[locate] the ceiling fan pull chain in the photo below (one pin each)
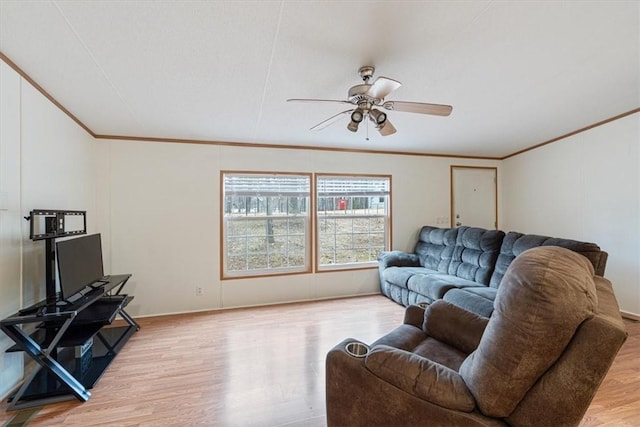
(367, 130)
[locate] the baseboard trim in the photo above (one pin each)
(244, 307)
(630, 316)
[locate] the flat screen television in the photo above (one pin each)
(79, 264)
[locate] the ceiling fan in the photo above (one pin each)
(368, 97)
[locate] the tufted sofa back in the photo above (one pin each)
(466, 252)
(435, 247)
(515, 243)
(475, 254)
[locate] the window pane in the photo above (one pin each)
(377, 241)
(296, 243)
(257, 244)
(352, 218)
(344, 257)
(236, 228)
(296, 259)
(361, 240)
(256, 262)
(236, 246)
(237, 262)
(277, 260)
(266, 220)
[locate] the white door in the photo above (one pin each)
(473, 197)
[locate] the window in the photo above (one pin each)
(265, 224)
(352, 220)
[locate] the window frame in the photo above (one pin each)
(308, 237)
(318, 268)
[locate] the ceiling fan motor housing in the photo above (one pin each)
(358, 94)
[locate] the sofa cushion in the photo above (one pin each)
(405, 337)
(400, 276)
(478, 300)
(475, 254)
(483, 291)
(420, 377)
(546, 293)
(454, 326)
(596, 256)
(414, 339)
(435, 285)
(515, 243)
(435, 247)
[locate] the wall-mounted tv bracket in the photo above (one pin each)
(47, 225)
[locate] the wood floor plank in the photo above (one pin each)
(264, 366)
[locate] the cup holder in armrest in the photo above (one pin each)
(357, 349)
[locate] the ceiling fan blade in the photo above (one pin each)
(387, 129)
(331, 120)
(317, 100)
(419, 107)
(382, 87)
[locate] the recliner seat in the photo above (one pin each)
(537, 361)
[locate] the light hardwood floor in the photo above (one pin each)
(264, 366)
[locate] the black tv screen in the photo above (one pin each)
(79, 263)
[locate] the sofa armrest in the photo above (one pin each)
(398, 259)
(453, 325)
(420, 377)
(356, 397)
(414, 315)
(601, 264)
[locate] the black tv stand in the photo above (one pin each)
(73, 343)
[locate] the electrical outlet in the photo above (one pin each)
(199, 291)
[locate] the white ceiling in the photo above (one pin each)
(517, 73)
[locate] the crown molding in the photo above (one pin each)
(575, 132)
(44, 93)
(40, 89)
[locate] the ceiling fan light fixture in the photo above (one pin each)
(377, 117)
(357, 116)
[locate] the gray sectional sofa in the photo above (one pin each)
(464, 265)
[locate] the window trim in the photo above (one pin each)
(308, 240)
(317, 268)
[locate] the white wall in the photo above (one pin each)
(60, 165)
(584, 187)
(46, 162)
(10, 220)
(165, 220)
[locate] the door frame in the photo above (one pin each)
(451, 169)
